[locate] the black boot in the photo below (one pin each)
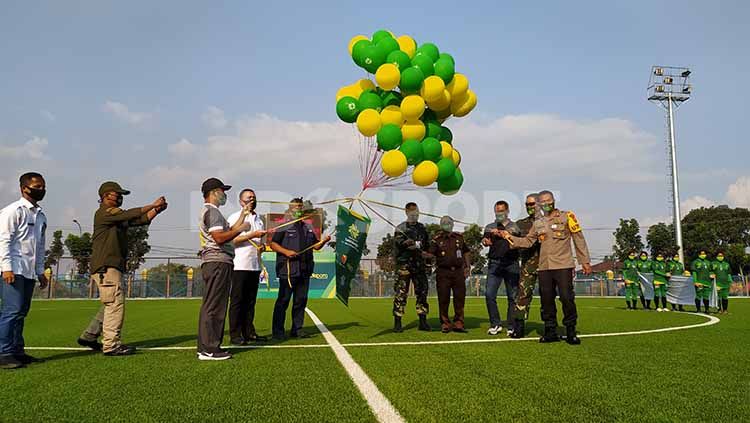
(643, 301)
(673, 307)
(519, 328)
(680, 308)
(571, 336)
(697, 306)
(628, 303)
(397, 324)
(423, 325)
(725, 304)
(550, 335)
(705, 305)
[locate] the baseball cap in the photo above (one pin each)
(213, 183)
(111, 186)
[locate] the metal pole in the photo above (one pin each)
(675, 181)
(168, 272)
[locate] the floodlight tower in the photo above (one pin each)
(669, 87)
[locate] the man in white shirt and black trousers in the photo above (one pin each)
(246, 275)
(22, 236)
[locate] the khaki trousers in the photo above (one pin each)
(113, 300)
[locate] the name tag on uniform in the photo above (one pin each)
(554, 226)
(458, 254)
(419, 244)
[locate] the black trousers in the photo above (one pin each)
(551, 284)
(217, 278)
(300, 286)
(242, 300)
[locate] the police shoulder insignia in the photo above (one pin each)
(573, 224)
(114, 210)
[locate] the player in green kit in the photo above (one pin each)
(660, 282)
(630, 275)
(722, 274)
(675, 268)
(701, 268)
(644, 265)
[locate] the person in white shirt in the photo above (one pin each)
(246, 274)
(22, 236)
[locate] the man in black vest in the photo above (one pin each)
(293, 245)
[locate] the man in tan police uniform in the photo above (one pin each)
(554, 230)
(452, 262)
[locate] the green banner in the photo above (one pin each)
(351, 239)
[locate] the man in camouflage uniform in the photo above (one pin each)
(411, 244)
(529, 265)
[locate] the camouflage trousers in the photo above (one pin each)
(526, 288)
(406, 275)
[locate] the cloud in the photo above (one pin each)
(611, 149)
(738, 193)
(182, 148)
(123, 113)
(49, 116)
(214, 118)
(172, 176)
(31, 149)
(695, 202)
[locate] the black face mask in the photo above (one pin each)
(37, 194)
(252, 203)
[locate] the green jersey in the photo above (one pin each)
(723, 273)
(645, 266)
(701, 271)
(630, 270)
(660, 271)
(675, 267)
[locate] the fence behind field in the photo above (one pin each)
(169, 277)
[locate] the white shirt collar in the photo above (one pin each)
(28, 204)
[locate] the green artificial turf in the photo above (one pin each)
(689, 375)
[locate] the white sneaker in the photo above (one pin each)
(510, 332)
(660, 310)
(666, 309)
(494, 330)
(221, 355)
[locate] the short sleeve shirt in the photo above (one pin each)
(211, 220)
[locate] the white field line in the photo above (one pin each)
(379, 404)
(711, 321)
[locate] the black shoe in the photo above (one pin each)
(460, 329)
(423, 325)
(550, 335)
(10, 362)
(237, 342)
(94, 345)
(519, 329)
(279, 337)
(120, 351)
(571, 337)
(27, 359)
(217, 356)
(397, 324)
(256, 338)
(300, 334)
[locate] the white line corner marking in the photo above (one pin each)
(381, 407)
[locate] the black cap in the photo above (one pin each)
(111, 186)
(211, 184)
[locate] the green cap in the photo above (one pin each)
(111, 186)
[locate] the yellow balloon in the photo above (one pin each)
(447, 150)
(354, 41)
(444, 114)
(368, 122)
(433, 88)
(456, 157)
(442, 103)
(393, 163)
(347, 91)
(466, 106)
(413, 130)
(392, 115)
(412, 107)
(458, 86)
(388, 76)
(425, 173)
(407, 45)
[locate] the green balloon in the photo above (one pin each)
(380, 34)
(389, 137)
(399, 58)
(429, 116)
(431, 149)
(347, 109)
(372, 58)
(387, 46)
(411, 80)
(430, 50)
(433, 129)
(452, 184)
(358, 52)
(448, 57)
(424, 63)
(445, 69)
(446, 169)
(412, 149)
(391, 98)
(370, 100)
(446, 135)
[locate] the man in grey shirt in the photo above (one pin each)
(217, 254)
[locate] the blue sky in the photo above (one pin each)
(139, 92)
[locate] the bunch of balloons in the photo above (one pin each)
(416, 90)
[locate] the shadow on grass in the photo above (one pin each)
(164, 342)
(70, 354)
